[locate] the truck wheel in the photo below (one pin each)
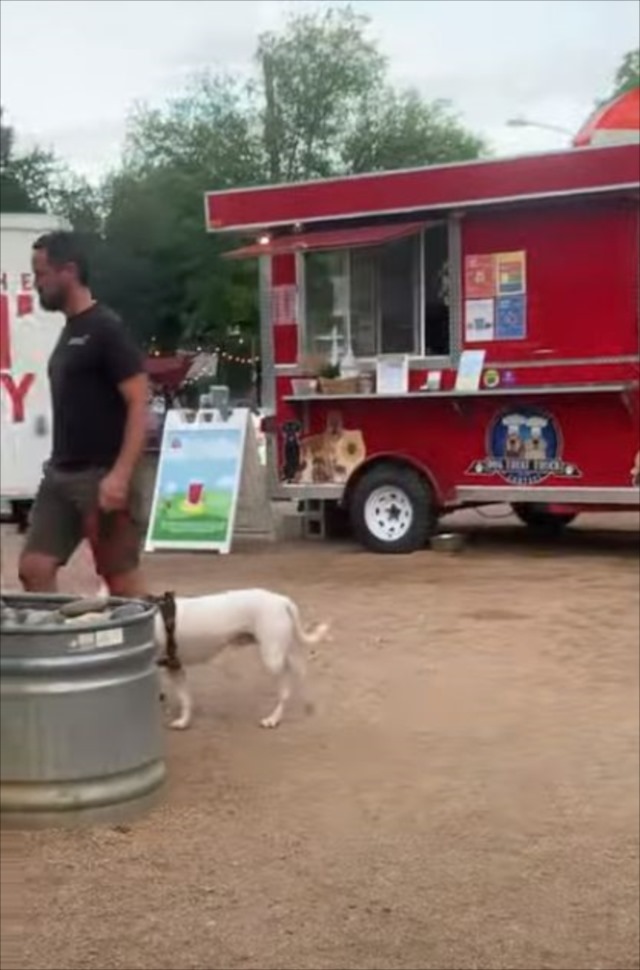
(538, 518)
(392, 510)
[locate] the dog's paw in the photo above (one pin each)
(270, 722)
(179, 724)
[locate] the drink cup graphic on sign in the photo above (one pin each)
(195, 492)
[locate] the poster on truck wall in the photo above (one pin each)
(480, 277)
(495, 297)
(479, 320)
(511, 273)
(511, 318)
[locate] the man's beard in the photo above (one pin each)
(52, 301)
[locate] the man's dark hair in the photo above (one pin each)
(64, 247)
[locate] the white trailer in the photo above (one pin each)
(27, 336)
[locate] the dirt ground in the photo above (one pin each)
(466, 795)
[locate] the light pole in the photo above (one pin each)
(526, 123)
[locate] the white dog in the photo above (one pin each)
(205, 625)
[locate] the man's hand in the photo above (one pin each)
(113, 491)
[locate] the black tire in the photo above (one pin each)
(412, 489)
(337, 524)
(538, 518)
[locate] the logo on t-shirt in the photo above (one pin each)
(78, 341)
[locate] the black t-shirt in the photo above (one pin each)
(93, 355)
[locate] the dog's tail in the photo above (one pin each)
(309, 637)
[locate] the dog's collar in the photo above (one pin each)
(166, 603)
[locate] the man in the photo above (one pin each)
(99, 396)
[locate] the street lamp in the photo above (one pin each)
(526, 123)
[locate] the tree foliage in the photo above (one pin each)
(314, 79)
(318, 103)
(399, 129)
(161, 270)
(36, 181)
(26, 179)
(628, 74)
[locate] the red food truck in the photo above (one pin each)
(452, 336)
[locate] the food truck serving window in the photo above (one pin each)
(391, 298)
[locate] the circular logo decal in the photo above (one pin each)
(524, 447)
(491, 378)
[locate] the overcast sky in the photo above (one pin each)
(71, 69)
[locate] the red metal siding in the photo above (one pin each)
(283, 270)
(582, 276)
(447, 439)
(430, 188)
(285, 343)
(285, 335)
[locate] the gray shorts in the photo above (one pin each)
(66, 511)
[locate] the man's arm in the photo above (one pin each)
(135, 392)
(124, 364)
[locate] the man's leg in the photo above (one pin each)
(38, 572)
(116, 538)
(129, 585)
(54, 534)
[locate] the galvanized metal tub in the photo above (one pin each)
(81, 736)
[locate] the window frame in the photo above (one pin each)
(417, 358)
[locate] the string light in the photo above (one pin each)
(248, 360)
(236, 358)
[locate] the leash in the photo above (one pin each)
(166, 604)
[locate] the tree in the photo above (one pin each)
(628, 74)
(160, 269)
(36, 181)
(398, 129)
(314, 78)
(24, 179)
(208, 129)
(328, 108)
(319, 104)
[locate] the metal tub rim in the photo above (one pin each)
(60, 599)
